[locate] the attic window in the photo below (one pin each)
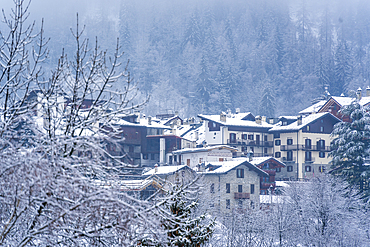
(240, 173)
(308, 128)
(285, 123)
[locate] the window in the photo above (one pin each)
(278, 169)
(289, 168)
(152, 156)
(265, 150)
(265, 138)
(322, 168)
(276, 135)
(277, 142)
(240, 188)
(322, 129)
(227, 188)
(252, 188)
(221, 159)
(277, 155)
(289, 141)
(308, 156)
(212, 189)
(307, 168)
(289, 155)
(240, 173)
(308, 128)
(307, 143)
(227, 203)
(232, 138)
(321, 144)
(188, 162)
(322, 154)
(145, 157)
(250, 137)
(200, 160)
(244, 136)
(170, 159)
(175, 158)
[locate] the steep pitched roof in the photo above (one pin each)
(313, 108)
(259, 160)
(166, 170)
(305, 121)
(225, 167)
(235, 120)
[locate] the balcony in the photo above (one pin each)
(305, 147)
(250, 143)
(262, 154)
(267, 185)
(241, 195)
(289, 159)
(309, 159)
(270, 172)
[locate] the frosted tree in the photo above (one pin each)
(325, 213)
(58, 185)
(183, 224)
(351, 146)
(267, 103)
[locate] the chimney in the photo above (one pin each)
(223, 117)
(263, 118)
(149, 120)
(359, 93)
(258, 119)
(176, 113)
(299, 120)
(368, 91)
(237, 110)
(228, 113)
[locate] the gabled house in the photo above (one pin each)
(333, 104)
(243, 131)
(303, 145)
(232, 185)
(271, 166)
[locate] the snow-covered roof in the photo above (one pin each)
(313, 108)
(165, 170)
(348, 100)
(281, 184)
(204, 149)
(289, 117)
(259, 160)
(226, 166)
(235, 120)
(305, 121)
(143, 123)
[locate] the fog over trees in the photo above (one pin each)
(210, 55)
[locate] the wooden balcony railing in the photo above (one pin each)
(241, 195)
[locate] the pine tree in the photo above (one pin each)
(267, 104)
(185, 229)
(351, 146)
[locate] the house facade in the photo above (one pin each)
(304, 146)
(232, 185)
(272, 167)
(243, 131)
